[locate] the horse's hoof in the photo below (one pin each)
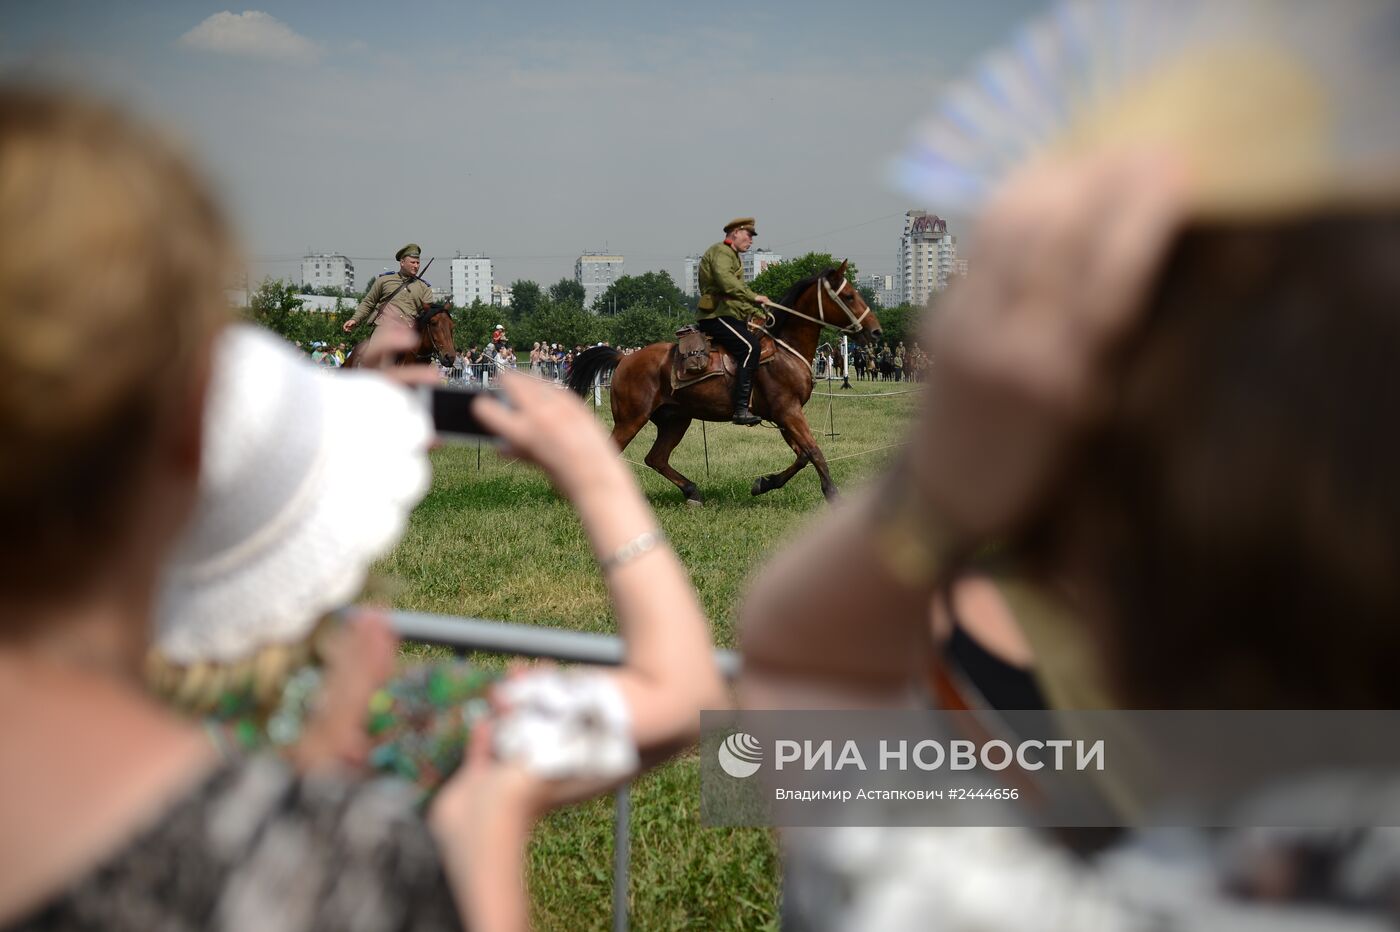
(695, 502)
(760, 485)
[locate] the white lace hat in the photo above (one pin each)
(308, 477)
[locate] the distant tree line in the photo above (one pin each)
(634, 310)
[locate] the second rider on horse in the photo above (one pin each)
(727, 304)
(395, 297)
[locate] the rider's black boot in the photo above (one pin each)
(743, 386)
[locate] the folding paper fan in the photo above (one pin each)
(1272, 104)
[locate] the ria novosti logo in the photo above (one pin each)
(740, 755)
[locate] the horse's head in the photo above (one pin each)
(839, 304)
(435, 323)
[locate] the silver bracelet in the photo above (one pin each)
(634, 548)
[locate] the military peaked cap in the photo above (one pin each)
(412, 249)
(741, 223)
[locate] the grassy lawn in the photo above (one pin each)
(493, 540)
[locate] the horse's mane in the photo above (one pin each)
(802, 284)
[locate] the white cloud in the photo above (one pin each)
(251, 33)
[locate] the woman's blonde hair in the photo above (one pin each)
(199, 688)
(113, 258)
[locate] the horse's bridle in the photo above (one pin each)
(835, 295)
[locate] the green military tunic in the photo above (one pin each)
(405, 305)
(723, 292)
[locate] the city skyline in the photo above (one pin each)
(530, 132)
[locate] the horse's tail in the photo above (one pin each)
(588, 365)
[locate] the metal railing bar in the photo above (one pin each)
(503, 637)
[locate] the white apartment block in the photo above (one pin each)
(470, 280)
(501, 295)
(690, 280)
(756, 261)
(595, 271)
(327, 270)
(324, 304)
(927, 252)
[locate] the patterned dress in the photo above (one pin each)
(257, 847)
(418, 722)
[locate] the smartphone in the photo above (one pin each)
(453, 415)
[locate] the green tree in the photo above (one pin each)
(640, 325)
(471, 325)
(900, 324)
(567, 324)
(654, 289)
(274, 305)
(525, 298)
(775, 280)
(567, 291)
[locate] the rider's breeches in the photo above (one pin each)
(734, 336)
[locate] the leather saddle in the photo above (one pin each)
(718, 361)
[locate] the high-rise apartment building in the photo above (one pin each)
(501, 295)
(595, 271)
(470, 280)
(927, 252)
(327, 270)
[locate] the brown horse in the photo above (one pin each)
(642, 385)
(434, 326)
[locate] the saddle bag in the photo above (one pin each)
(693, 349)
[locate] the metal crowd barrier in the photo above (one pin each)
(499, 637)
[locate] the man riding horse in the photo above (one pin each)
(727, 304)
(395, 297)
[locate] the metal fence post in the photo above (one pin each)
(622, 856)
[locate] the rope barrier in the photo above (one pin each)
(907, 391)
(846, 456)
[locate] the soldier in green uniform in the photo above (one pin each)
(727, 304)
(413, 293)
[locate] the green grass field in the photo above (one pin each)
(493, 540)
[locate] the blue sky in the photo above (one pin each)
(530, 131)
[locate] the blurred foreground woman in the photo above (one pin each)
(1154, 470)
(114, 813)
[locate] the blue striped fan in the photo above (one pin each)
(1270, 102)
